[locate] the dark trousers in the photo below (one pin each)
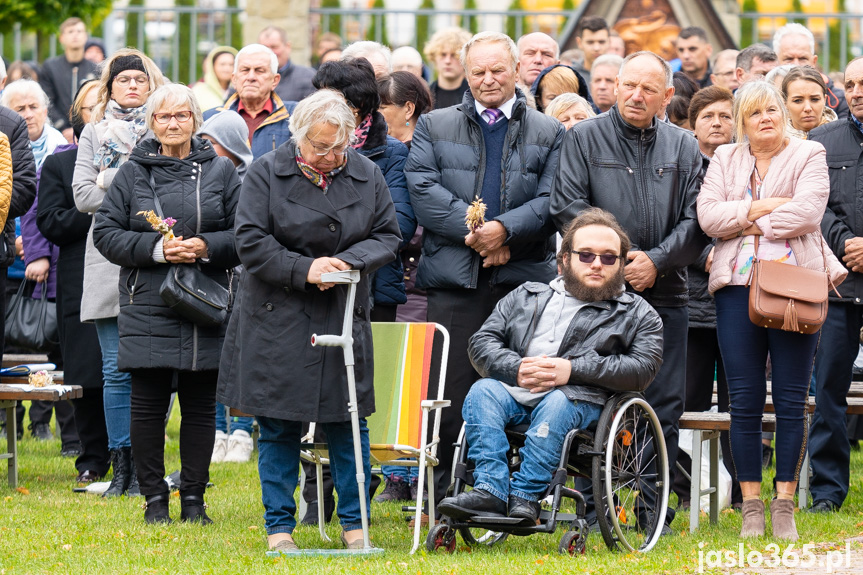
(92, 431)
(745, 347)
(829, 450)
(462, 312)
(383, 312)
(151, 396)
(703, 359)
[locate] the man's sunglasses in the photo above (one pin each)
(605, 259)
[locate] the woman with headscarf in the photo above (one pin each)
(115, 128)
(212, 90)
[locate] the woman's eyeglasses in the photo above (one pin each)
(181, 117)
(323, 150)
(126, 80)
(605, 259)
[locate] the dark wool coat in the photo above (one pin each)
(64, 226)
(151, 334)
(269, 367)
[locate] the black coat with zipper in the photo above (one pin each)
(201, 193)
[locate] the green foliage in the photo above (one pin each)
(188, 60)
(423, 31)
(835, 61)
(747, 27)
(567, 8)
(512, 27)
(236, 39)
(133, 29)
(377, 20)
(334, 24)
(471, 23)
(796, 8)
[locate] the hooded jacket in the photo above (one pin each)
(230, 131)
(445, 172)
(208, 90)
(613, 345)
(272, 133)
(201, 192)
(583, 90)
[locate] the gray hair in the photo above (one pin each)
(778, 72)
(408, 54)
(793, 29)
(363, 48)
(556, 45)
(173, 96)
(483, 37)
(565, 101)
(669, 74)
(760, 51)
(257, 49)
(323, 107)
(753, 96)
(24, 87)
(612, 60)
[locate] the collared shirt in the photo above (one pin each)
(254, 122)
(857, 122)
(506, 107)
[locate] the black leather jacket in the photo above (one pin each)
(649, 179)
(614, 345)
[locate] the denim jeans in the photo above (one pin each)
(118, 386)
(745, 347)
(407, 474)
(489, 408)
(279, 464)
(237, 423)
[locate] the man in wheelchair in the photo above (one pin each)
(550, 355)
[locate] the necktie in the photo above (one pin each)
(492, 115)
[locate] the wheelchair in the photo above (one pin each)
(623, 455)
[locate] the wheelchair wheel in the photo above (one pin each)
(441, 536)
(572, 543)
(475, 537)
(630, 476)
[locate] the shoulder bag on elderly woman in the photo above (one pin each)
(32, 323)
(190, 292)
(787, 297)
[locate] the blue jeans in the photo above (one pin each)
(237, 423)
(407, 474)
(744, 349)
(489, 408)
(279, 463)
(117, 392)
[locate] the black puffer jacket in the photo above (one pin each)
(445, 171)
(843, 218)
(614, 345)
(649, 179)
(702, 308)
(201, 193)
(23, 177)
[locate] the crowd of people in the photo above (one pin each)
(625, 201)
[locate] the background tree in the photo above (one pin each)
(568, 8)
(189, 62)
(835, 62)
(796, 8)
(236, 39)
(334, 24)
(135, 26)
(471, 23)
(423, 32)
(378, 19)
(512, 27)
(748, 26)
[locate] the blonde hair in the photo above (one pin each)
(446, 40)
(751, 97)
(156, 79)
(83, 92)
(559, 80)
(566, 101)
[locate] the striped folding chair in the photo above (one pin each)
(398, 430)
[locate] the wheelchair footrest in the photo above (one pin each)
(497, 520)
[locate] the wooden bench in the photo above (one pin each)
(13, 359)
(9, 398)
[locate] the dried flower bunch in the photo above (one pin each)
(41, 379)
(163, 226)
(475, 217)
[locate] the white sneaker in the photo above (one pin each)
(220, 448)
(239, 447)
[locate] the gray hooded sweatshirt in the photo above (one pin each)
(229, 130)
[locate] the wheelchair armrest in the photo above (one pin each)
(435, 403)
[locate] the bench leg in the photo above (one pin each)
(714, 476)
(12, 444)
(695, 481)
(803, 484)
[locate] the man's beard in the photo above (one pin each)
(576, 288)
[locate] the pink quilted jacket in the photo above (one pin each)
(798, 172)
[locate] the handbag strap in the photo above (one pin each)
(156, 196)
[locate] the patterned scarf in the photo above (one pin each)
(118, 132)
(317, 177)
(362, 132)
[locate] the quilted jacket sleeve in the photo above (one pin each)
(23, 165)
(5, 178)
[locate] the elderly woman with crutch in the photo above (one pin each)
(313, 206)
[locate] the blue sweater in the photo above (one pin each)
(494, 138)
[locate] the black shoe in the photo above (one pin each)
(72, 450)
(414, 489)
(121, 463)
(133, 490)
(766, 456)
(156, 509)
(87, 476)
(397, 489)
(311, 516)
(823, 506)
(472, 503)
(41, 431)
(523, 509)
(194, 510)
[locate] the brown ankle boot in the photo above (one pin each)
(753, 518)
(782, 517)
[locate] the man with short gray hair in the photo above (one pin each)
(753, 63)
(648, 174)
(602, 79)
(295, 81)
(724, 68)
(794, 45)
(378, 55)
(266, 115)
(407, 59)
(536, 52)
(494, 149)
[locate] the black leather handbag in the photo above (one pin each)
(191, 293)
(32, 323)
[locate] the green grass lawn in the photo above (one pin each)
(46, 528)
